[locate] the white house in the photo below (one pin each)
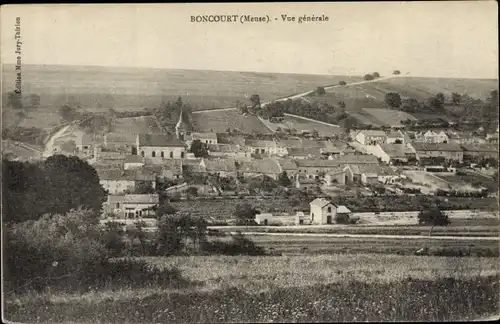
(282, 219)
(159, 145)
(205, 138)
(434, 137)
(117, 181)
(371, 137)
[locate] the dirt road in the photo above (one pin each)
(49, 147)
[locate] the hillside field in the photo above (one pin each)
(220, 121)
(101, 88)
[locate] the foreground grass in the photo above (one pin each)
(285, 289)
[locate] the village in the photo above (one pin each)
(139, 170)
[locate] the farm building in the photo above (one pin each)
(282, 219)
(169, 170)
(464, 138)
(336, 148)
(289, 166)
(131, 206)
(117, 181)
(305, 183)
(313, 168)
(85, 144)
(370, 173)
(303, 153)
(371, 137)
(447, 151)
(159, 145)
(323, 211)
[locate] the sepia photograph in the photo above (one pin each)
(250, 162)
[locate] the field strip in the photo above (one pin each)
(311, 120)
(411, 237)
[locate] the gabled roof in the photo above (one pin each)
(208, 136)
(129, 175)
(287, 164)
(141, 199)
(372, 132)
(226, 148)
(396, 150)
(159, 140)
(395, 134)
(480, 147)
(116, 137)
(338, 160)
(264, 166)
(320, 202)
(450, 147)
(335, 170)
(289, 143)
(343, 210)
(219, 165)
(259, 143)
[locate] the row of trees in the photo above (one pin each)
(16, 101)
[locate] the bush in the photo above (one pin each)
(368, 77)
(342, 219)
(240, 245)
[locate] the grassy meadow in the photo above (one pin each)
(284, 289)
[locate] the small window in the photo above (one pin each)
(329, 209)
(171, 155)
(182, 155)
(162, 154)
(153, 154)
(142, 153)
(117, 205)
(312, 218)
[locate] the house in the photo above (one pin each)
(303, 153)
(85, 144)
(465, 138)
(307, 184)
(169, 170)
(435, 137)
(117, 181)
(228, 150)
(444, 151)
(132, 205)
(393, 153)
(371, 137)
(335, 177)
(266, 166)
(117, 141)
(133, 162)
(323, 211)
(104, 156)
(223, 167)
(336, 148)
(159, 145)
(396, 137)
(262, 147)
(298, 218)
(289, 166)
(481, 151)
(318, 168)
(492, 138)
(205, 138)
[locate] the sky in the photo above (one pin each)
(435, 39)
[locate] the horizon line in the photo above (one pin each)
(242, 71)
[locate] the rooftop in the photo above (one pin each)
(142, 199)
(128, 175)
(264, 166)
(208, 136)
(159, 140)
(134, 159)
(320, 202)
(450, 147)
(287, 164)
(226, 148)
(259, 143)
(218, 165)
(343, 209)
(480, 147)
(396, 150)
(372, 132)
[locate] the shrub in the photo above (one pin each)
(342, 219)
(240, 245)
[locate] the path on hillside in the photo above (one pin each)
(303, 94)
(49, 147)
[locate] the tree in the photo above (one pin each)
(67, 112)
(174, 231)
(456, 97)
(165, 209)
(255, 100)
(284, 180)
(144, 187)
(320, 91)
(34, 100)
(341, 104)
(433, 216)
(435, 102)
(368, 77)
(396, 72)
(393, 99)
(199, 149)
(440, 97)
(376, 75)
(410, 104)
(245, 214)
(342, 83)
(15, 100)
(193, 191)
